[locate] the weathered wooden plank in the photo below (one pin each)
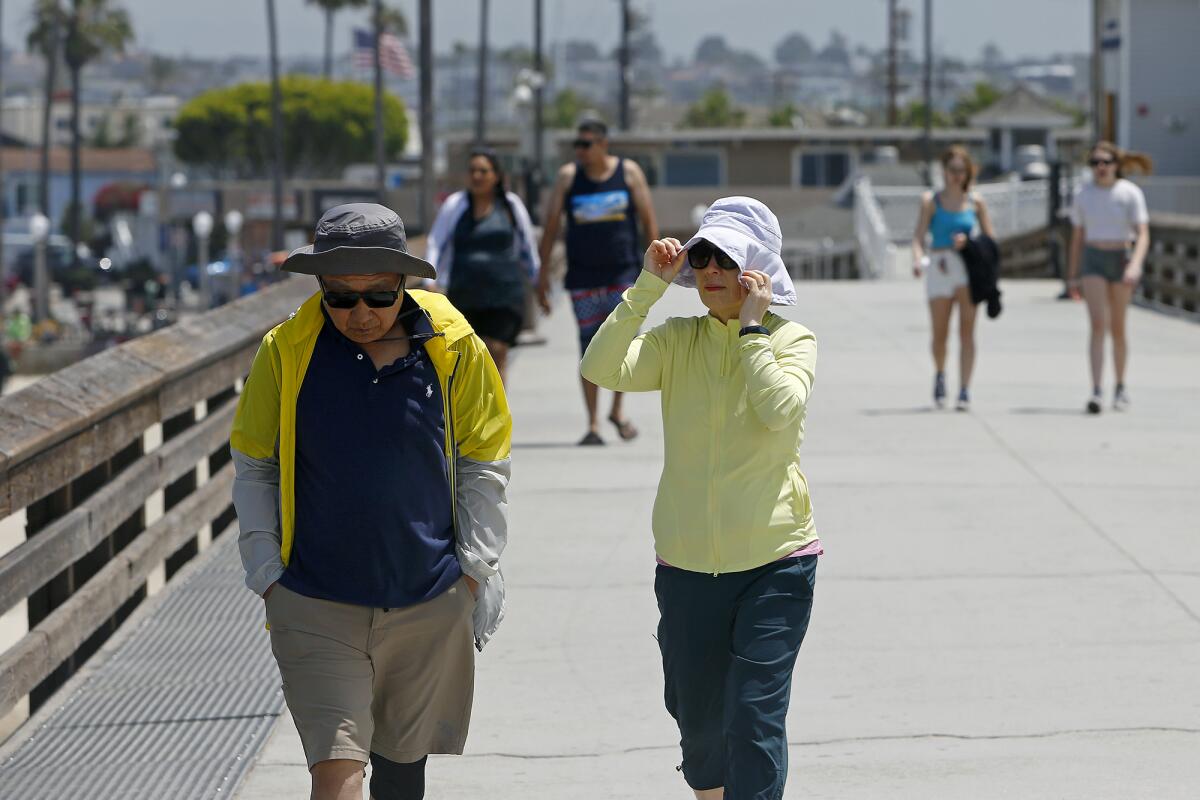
(184, 392)
(48, 469)
(180, 454)
(25, 664)
(199, 355)
(55, 638)
(6, 506)
(29, 566)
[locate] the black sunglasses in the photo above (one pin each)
(1101, 162)
(583, 144)
(703, 251)
(373, 299)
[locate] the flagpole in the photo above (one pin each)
(380, 167)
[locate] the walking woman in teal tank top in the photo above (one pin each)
(950, 217)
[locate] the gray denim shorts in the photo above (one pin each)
(1107, 264)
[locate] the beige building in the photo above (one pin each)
(149, 117)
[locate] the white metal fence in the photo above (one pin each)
(876, 249)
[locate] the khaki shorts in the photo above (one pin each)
(361, 680)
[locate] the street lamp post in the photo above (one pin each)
(39, 229)
(233, 226)
(178, 181)
(202, 225)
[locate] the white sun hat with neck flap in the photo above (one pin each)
(749, 234)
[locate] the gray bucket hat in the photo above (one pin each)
(358, 239)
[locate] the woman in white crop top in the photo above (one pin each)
(1109, 242)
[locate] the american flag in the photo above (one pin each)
(393, 55)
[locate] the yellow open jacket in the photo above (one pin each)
(478, 438)
(732, 496)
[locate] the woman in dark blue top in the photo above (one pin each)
(481, 245)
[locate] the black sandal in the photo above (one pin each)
(625, 429)
(592, 438)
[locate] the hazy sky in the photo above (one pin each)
(962, 27)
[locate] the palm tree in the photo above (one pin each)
(392, 20)
(331, 7)
(94, 27)
(46, 38)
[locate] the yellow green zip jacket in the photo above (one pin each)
(478, 437)
(732, 496)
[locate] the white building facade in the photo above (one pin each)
(1149, 62)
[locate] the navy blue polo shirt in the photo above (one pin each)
(374, 523)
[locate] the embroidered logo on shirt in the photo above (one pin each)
(429, 390)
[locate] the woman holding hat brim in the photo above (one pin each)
(733, 523)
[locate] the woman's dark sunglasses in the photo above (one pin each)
(1101, 162)
(373, 299)
(582, 144)
(702, 251)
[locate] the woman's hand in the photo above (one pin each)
(960, 241)
(758, 297)
(664, 258)
(472, 586)
(1133, 273)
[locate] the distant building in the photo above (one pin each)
(1022, 118)
(147, 119)
(1149, 61)
(100, 167)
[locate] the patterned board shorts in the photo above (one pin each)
(592, 307)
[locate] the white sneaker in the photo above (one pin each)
(1120, 400)
(1093, 404)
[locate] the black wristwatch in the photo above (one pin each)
(763, 329)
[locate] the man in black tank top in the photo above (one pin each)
(605, 197)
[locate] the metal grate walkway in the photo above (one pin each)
(175, 707)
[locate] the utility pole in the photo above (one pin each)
(276, 134)
(380, 166)
(623, 57)
(481, 80)
(3, 196)
(426, 119)
(539, 122)
(1099, 109)
(927, 137)
(892, 83)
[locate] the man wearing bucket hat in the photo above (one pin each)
(371, 446)
(733, 523)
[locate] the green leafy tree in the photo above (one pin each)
(913, 115)
(330, 124)
(93, 28)
(566, 109)
(783, 116)
(714, 110)
(130, 131)
(983, 96)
